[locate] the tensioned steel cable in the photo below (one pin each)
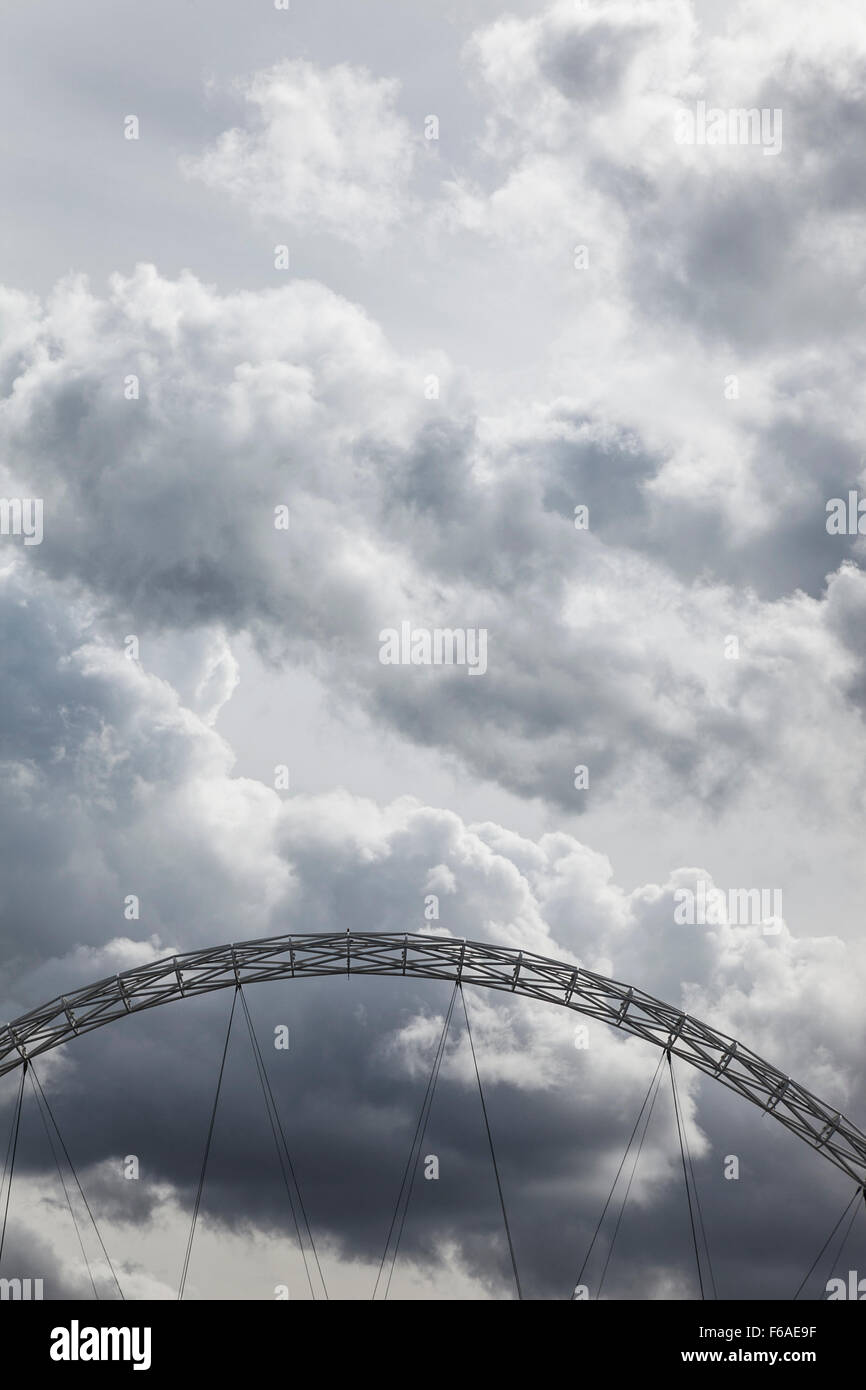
(826, 1243)
(56, 1158)
(492, 1150)
(12, 1128)
(207, 1148)
(691, 1168)
(11, 1133)
(420, 1131)
(837, 1257)
(417, 1139)
(259, 1061)
(47, 1105)
(10, 1166)
(695, 1190)
(686, 1177)
(274, 1118)
(618, 1171)
(628, 1185)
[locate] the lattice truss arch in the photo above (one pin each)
(444, 958)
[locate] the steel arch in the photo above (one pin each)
(444, 958)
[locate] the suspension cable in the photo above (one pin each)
(618, 1171)
(207, 1149)
(277, 1145)
(629, 1183)
(492, 1150)
(408, 1178)
(66, 1153)
(56, 1158)
(9, 1166)
(826, 1243)
(11, 1133)
(274, 1118)
(837, 1257)
(412, 1169)
(703, 1231)
(686, 1174)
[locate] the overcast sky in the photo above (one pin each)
(553, 304)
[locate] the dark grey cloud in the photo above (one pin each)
(347, 1094)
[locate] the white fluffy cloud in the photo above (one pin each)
(326, 150)
(162, 510)
(707, 265)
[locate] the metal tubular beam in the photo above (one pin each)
(444, 958)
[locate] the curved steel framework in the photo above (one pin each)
(443, 958)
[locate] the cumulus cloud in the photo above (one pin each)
(583, 103)
(213, 856)
(716, 309)
(162, 510)
(326, 150)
